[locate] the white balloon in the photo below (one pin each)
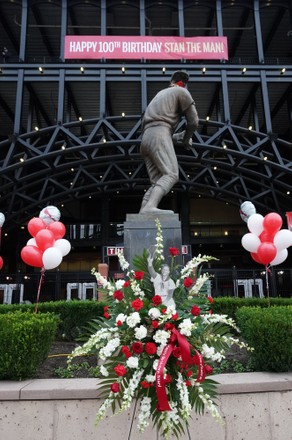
(246, 210)
(31, 242)
(50, 214)
(64, 246)
(2, 219)
(52, 257)
(280, 257)
(255, 224)
(283, 239)
(250, 242)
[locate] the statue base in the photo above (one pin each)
(140, 233)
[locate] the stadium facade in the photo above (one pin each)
(70, 128)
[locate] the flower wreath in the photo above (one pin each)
(160, 355)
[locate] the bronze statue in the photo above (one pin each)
(157, 146)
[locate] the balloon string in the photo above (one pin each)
(267, 282)
(39, 289)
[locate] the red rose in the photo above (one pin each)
(188, 383)
(208, 369)
(120, 370)
(175, 316)
(189, 373)
(137, 304)
(168, 326)
(164, 310)
(105, 309)
(137, 347)
(119, 295)
(150, 348)
(106, 315)
(210, 312)
(167, 378)
(126, 284)
(139, 275)
(210, 299)
(196, 359)
(173, 251)
(145, 384)
(195, 310)
(155, 324)
(156, 300)
(126, 351)
(115, 387)
(119, 323)
(188, 282)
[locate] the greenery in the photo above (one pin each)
(269, 332)
(25, 341)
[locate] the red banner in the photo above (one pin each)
(148, 48)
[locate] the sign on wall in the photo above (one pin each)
(148, 48)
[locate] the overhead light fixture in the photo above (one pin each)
(123, 114)
(243, 71)
(207, 118)
(36, 128)
(63, 147)
(163, 70)
(21, 159)
(265, 157)
(283, 70)
(224, 146)
(288, 193)
(204, 70)
(41, 70)
(250, 127)
(80, 118)
(123, 69)
(82, 69)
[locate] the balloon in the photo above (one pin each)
(280, 257)
(265, 236)
(50, 214)
(44, 239)
(64, 246)
(58, 229)
(2, 219)
(272, 222)
(255, 224)
(31, 242)
(246, 210)
(35, 225)
(256, 258)
(32, 256)
(266, 252)
(52, 257)
(283, 239)
(1, 263)
(250, 242)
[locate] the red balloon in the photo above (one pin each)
(266, 236)
(44, 239)
(272, 222)
(1, 263)
(32, 256)
(35, 225)
(58, 229)
(255, 257)
(266, 252)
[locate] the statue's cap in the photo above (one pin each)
(179, 75)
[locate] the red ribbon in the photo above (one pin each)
(185, 347)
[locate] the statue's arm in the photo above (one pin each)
(151, 269)
(192, 120)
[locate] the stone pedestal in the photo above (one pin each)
(140, 233)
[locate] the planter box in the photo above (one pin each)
(255, 406)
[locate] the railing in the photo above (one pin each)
(224, 282)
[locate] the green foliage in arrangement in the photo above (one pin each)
(74, 315)
(269, 332)
(25, 341)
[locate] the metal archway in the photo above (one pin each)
(60, 164)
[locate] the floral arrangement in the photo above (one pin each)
(161, 355)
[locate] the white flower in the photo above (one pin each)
(186, 327)
(109, 349)
(154, 313)
(140, 332)
(150, 378)
(132, 362)
(121, 317)
(155, 364)
(120, 284)
(161, 337)
(103, 371)
(133, 319)
(144, 414)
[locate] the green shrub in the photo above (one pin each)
(25, 341)
(74, 315)
(269, 332)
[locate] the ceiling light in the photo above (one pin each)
(123, 69)
(163, 70)
(80, 118)
(283, 70)
(36, 128)
(207, 118)
(82, 69)
(243, 70)
(204, 70)
(123, 114)
(250, 127)
(41, 70)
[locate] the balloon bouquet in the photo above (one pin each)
(47, 247)
(266, 241)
